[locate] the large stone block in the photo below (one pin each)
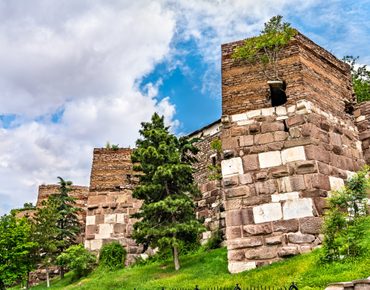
(241, 267)
(267, 213)
(293, 154)
(269, 159)
(274, 240)
(291, 183)
(267, 187)
(109, 218)
(90, 220)
(261, 229)
(284, 196)
(239, 117)
(105, 228)
(96, 244)
(281, 136)
(286, 226)
(102, 236)
(272, 127)
(250, 163)
(233, 233)
(305, 167)
(298, 208)
(295, 121)
(90, 229)
(320, 181)
(262, 253)
(239, 191)
(234, 218)
(256, 200)
(245, 178)
(246, 140)
(336, 183)
(288, 251)
(300, 238)
(231, 167)
(244, 243)
(263, 139)
(237, 255)
(119, 228)
(311, 225)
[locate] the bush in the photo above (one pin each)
(112, 255)
(214, 242)
(78, 259)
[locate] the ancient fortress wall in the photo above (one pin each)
(284, 161)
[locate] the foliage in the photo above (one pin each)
(67, 222)
(166, 187)
(215, 170)
(28, 205)
(108, 145)
(115, 147)
(347, 224)
(78, 259)
(15, 249)
(215, 241)
(264, 50)
(360, 79)
(112, 255)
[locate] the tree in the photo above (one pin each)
(166, 187)
(15, 249)
(45, 231)
(78, 259)
(360, 79)
(263, 50)
(67, 222)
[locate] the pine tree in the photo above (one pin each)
(166, 187)
(68, 226)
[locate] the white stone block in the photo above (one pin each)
(269, 159)
(253, 114)
(245, 122)
(281, 118)
(120, 218)
(90, 220)
(298, 208)
(303, 105)
(239, 117)
(144, 256)
(241, 267)
(350, 174)
(280, 111)
(102, 236)
(361, 118)
(285, 196)
(105, 228)
(267, 213)
(268, 111)
(110, 218)
(285, 184)
(230, 167)
(293, 154)
(87, 244)
(326, 115)
(96, 244)
(207, 235)
(336, 183)
(358, 146)
(292, 109)
(351, 128)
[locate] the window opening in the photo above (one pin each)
(278, 95)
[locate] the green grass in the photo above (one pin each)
(209, 269)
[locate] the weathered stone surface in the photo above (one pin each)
(261, 253)
(336, 183)
(261, 229)
(288, 251)
(238, 131)
(246, 140)
(267, 213)
(245, 178)
(275, 146)
(295, 132)
(286, 226)
(119, 228)
(279, 171)
(300, 238)
(293, 154)
(311, 225)
(96, 244)
(90, 229)
(233, 233)
(240, 267)
(239, 217)
(323, 168)
(239, 191)
(298, 208)
(267, 187)
(263, 139)
(236, 255)
(305, 167)
(284, 196)
(320, 181)
(90, 220)
(255, 200)
(274, 240)
(231, 167)
(272, 127)
(105, 229)
(244, 243)
(313, 192)
(250, 163)
(261, 175)
(281, 136)
(110, 218)
(230, 181)
(269, 159)
(291, 183)
(317, 153)
(304, 249)
(295, 121)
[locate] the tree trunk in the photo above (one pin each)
(27, 279)
(47, 277)
(176, 258)
(61, 272)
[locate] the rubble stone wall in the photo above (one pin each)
(362, 117)
(283, 162)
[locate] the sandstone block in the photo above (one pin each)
(274, 240)
(295, 121)
(247, 216)
(250, 163)
(96, 244)
(261, 229)
(298, 208)
(284, 196)
(275, 146)
(286, 226)
(233, 204)
(231, 167)
(240, 267)
(291, 183)
(119, 228)
(237, 255)
(269, 159)
(262, 263)
(300, 238)
(239, 191)
(102, 236)
(279, 171)
(336, 139)
(91, 229)
(268, 111)
(254, 129)
(244, 243)
(121, 218)
(320, 204)
(311, 225)
(246, 140)
(109, 218)
(233, 218)
(238, 131)
(267, 213)
(229, 143)
(320, 181)
(90, 220)
(281, 136)
(317, 153)
(304, 249)
(267, 187)
(245, 178)
(288, 251)
(99, 219)
(255, 200)
(323, 168)
(233, 233)
(305, 167)
(272, 127)
(263, 139)
(87, 244)
(105, 229)
(293, 154)
(261, 253)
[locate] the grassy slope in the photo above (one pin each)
(210, 270)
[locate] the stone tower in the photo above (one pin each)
(282, 162)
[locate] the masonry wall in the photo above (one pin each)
(362, 117)
(284, 163)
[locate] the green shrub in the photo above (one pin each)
(112, 255)
(215, 241)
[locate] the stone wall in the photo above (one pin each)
(283, 163)
(362, 117)
(110, 201)
(310, 73)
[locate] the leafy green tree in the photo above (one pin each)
(78, 259)
(215, 169)
(44, 232)
(68, 226)
(347, 223)
(263, 50)
(15, 249)
(360, 79)
(166, 187)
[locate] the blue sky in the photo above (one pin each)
(74, 74)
